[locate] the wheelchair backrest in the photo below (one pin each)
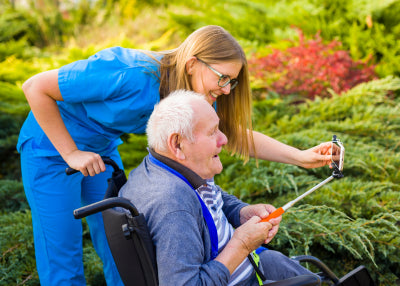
(131, 247)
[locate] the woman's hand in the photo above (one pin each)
(317, 156)
(88, 163)
(261, 211)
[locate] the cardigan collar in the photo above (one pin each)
(195, 180)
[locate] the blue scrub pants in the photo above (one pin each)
(52, 196)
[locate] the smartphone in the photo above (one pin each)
(337, 154)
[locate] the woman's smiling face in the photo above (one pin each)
(205, 81)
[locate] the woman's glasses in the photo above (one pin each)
(224, 80)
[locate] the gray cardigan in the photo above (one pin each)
(176, 224)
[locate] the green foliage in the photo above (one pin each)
(355, 218)
(327, 232)
(18, 34)
(93, 266)
(12, 198)
(18, 266)
(18, 48)
(17, 259)
(133, 151)
(13, 99)
(246, 20)
(13, 111)
(365, 28)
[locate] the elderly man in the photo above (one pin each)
(201, 234)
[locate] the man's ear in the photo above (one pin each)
(190, 65)
(175, 146)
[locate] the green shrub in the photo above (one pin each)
(364, 28)
(12, 197)
(16, 71)
(13, 110)
(353, 220)
(17, 263)
(133, 151)
(17, 260)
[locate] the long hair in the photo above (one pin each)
(213, 44)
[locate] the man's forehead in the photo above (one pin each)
(206, 122)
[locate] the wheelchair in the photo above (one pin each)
(134, 255)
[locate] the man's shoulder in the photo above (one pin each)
(151, 175)
(149, 182)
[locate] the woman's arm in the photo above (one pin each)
(270, 149)
(42, 93)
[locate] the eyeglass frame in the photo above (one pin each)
(232, 81)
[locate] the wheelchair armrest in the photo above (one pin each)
(104, 205)
(358, 276)
(318, 263)
(302, 280)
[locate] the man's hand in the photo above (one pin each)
(261, 211)
(251, 234)
(246, 238)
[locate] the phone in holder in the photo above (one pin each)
(337, 160)
(337, 154)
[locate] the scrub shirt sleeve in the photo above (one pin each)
(116, 87)
(93, 79)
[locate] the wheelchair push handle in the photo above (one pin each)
(104, 205)
(107, 160)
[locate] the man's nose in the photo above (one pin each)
(223, 140)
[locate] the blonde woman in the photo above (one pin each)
(79, 113)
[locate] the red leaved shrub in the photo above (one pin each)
(309, 69)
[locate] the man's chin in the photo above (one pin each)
(219, 168)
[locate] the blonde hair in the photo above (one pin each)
(213, 44)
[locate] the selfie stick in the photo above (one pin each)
(281, 210)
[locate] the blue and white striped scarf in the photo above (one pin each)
(212, 197)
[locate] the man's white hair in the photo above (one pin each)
(173, 114)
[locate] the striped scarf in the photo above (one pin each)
(212, 197)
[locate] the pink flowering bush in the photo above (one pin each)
(310, 68)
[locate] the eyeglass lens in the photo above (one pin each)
(224, 80)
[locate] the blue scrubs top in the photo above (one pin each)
(111, 93)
